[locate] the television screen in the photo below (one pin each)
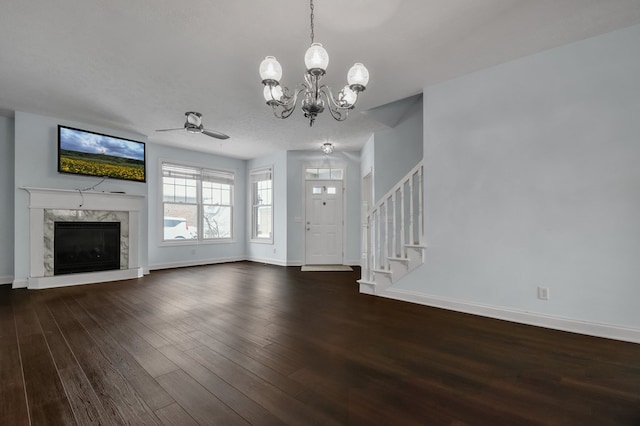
(93, 154)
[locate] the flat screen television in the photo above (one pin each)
(93, 154)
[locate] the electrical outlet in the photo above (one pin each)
(274, 251)
(543, 293)
(193, 251)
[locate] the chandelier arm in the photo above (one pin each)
(337, 104)
(338, 113)
(284, 113)
(287, 100)
(289, 105)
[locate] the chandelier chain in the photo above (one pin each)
(312, 16)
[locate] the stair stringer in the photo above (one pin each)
(399, 267)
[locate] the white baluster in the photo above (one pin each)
(393, 226)
(420, 209)
(403, 252)
(411, 209)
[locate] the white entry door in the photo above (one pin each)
(323, 222)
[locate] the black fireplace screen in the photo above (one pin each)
(85, 247)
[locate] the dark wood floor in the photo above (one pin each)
(245, 343)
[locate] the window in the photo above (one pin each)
(197, 203)
(262, 205)
(324, 174)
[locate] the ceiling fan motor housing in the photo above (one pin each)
(194, 122)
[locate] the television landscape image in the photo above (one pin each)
(94, 154)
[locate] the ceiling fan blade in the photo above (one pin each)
(215, 134)
(169, 130)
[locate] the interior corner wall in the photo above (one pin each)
(397, 150)
(367, 157)
(35, 160)
(165, 255)
(276, 252)
(532, 179)
(6, 194)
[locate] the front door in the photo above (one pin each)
(323, 222)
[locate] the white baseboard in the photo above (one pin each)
(352, 262)
(548, 321)
(269, 261)
(182, 264)
(6, 279)
(21, 283)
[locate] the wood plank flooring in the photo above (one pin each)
(245, 343)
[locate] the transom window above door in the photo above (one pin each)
(323, 173)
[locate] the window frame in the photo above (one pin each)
(201, 174)
(253, 174)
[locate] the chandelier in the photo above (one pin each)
(315, 96)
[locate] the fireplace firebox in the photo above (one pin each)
(85, 247)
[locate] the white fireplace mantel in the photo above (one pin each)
(41, 199)
(74, 199)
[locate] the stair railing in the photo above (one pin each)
(393, 223)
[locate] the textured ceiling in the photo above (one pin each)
(139, 65)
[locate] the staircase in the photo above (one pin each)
(392, 237)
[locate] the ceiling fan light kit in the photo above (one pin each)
(315, 96)
(193, 124)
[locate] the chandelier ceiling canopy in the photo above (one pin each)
(327, 148)
(315, 96)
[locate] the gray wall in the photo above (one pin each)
(397, 150)
(36, 139)
(532, 178)
(276, 252)
(6, 195)
(35, 166)
(165, 255)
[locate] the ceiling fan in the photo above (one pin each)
(194, 125)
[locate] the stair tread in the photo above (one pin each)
(416, 246)
(399, 259)
(382, 271)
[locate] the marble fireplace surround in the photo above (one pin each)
(49, 205)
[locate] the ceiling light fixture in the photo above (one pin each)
(327, 148)
(316, 59)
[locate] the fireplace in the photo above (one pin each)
(49, 207)
(85, 247)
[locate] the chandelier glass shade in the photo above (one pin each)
(314, 95)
